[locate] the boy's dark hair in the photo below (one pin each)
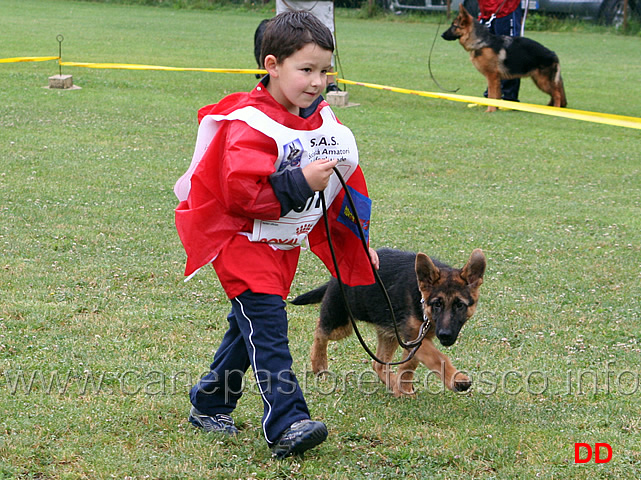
(288, 32)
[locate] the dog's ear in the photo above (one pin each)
(474, 269)
(427, 273)
(464, 16)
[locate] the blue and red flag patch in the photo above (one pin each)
(363, 206)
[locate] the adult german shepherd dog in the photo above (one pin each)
(500, 57)
(419, 288)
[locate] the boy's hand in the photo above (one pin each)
(317, 173)
(373, 256)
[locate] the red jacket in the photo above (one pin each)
(230, 188)
(500, 8)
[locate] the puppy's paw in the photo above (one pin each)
(462, 384)
(323, 374)
(320, 365)
(404, 394)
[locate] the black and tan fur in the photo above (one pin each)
(418, 286)
(500, 57)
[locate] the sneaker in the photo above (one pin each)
(219, 423)
(299, 437)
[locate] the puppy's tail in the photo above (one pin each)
(313, 296)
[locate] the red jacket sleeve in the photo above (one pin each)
(245, 167)
(229, 188)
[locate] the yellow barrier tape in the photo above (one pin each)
(129, 66)
(27, 59)
(606, 118)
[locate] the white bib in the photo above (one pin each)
(296, 149)
(299, 148)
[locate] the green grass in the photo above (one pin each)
(100, 339)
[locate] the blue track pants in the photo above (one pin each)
(257, 337)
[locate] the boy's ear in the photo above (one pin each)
(270, 65)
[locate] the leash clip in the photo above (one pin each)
(488, 24)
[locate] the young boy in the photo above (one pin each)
(248, 200)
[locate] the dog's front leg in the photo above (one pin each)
(493, 89)
(440, 364)
(404, 385)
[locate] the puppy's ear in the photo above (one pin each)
(474, 269)
(427, 273)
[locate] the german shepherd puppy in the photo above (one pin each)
(501, 57)
(419, 288)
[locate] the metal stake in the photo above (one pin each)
(60, 39)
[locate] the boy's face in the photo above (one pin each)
(300, 78)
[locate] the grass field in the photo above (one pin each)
(100, 339)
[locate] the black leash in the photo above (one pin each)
(429, 62)
(412, 346)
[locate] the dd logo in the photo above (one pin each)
(578, 447)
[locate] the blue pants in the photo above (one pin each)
(509, 25)
(257, 337)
